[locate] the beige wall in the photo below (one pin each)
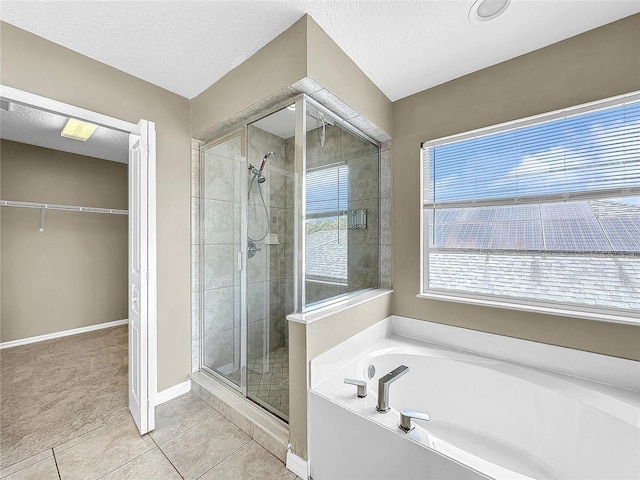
(277, 65)
(328, 65)
(36, 65)
(303, 50)
(597, 64)
(74, 274)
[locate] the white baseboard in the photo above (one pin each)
(173, 392)
(297, 465)
(65, 333)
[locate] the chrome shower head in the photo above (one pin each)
(261, 178)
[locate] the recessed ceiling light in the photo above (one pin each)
(485, 10)
(78, 130)
(291, 107)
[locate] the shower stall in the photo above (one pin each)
(289, 219)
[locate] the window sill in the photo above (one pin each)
(329, 310)
(542, 308)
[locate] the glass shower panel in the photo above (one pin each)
(341, 210)
(221, 220)
(270, 258)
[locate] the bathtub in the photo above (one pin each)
(489, 418)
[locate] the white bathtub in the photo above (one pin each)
(490, 418)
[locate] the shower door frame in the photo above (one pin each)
(301, 102)
(241, 261)
(300, 150)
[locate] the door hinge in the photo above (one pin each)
(148, 405)
(147, 276)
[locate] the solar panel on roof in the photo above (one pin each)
(518, 212)
(581, 226)
(518, 235)
(623, 233)
(447, 215)
(559, 211)
(478, 214)
(470, 235)
(442, 233)
(576, 234)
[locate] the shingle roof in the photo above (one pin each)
(580, 233)
(593, 280)
(326, 254)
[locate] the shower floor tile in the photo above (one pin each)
(270, 382)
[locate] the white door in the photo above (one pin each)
(142, 299)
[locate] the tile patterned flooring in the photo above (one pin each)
(71, 385)
(192, 440)
(271, 387)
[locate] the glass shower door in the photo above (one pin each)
(221, 220)
(270, 258)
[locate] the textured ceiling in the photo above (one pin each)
(36, 127)
(404, 46)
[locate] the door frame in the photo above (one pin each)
(150, 322)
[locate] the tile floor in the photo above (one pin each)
(71, 385)
(192, 440)
(64, 416)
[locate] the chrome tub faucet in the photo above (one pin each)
(383, 387)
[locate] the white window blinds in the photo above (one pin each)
(575, 156)
(543, 211)
(327, 191)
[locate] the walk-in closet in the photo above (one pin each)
(63, 265)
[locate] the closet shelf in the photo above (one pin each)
(68, 208)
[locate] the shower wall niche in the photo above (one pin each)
(289, 215)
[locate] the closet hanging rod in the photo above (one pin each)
(68, 208)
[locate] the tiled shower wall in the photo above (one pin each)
(195, 255)
(362, 159)
(270, 271)
(285, 250)
(221, 204)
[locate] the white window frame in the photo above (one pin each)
(512, 303)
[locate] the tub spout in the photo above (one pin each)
(383, 387)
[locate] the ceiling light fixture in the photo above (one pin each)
(291, 107)
(485, 10)
(78, 130)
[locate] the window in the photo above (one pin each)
(326, 223)
(539, 214)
